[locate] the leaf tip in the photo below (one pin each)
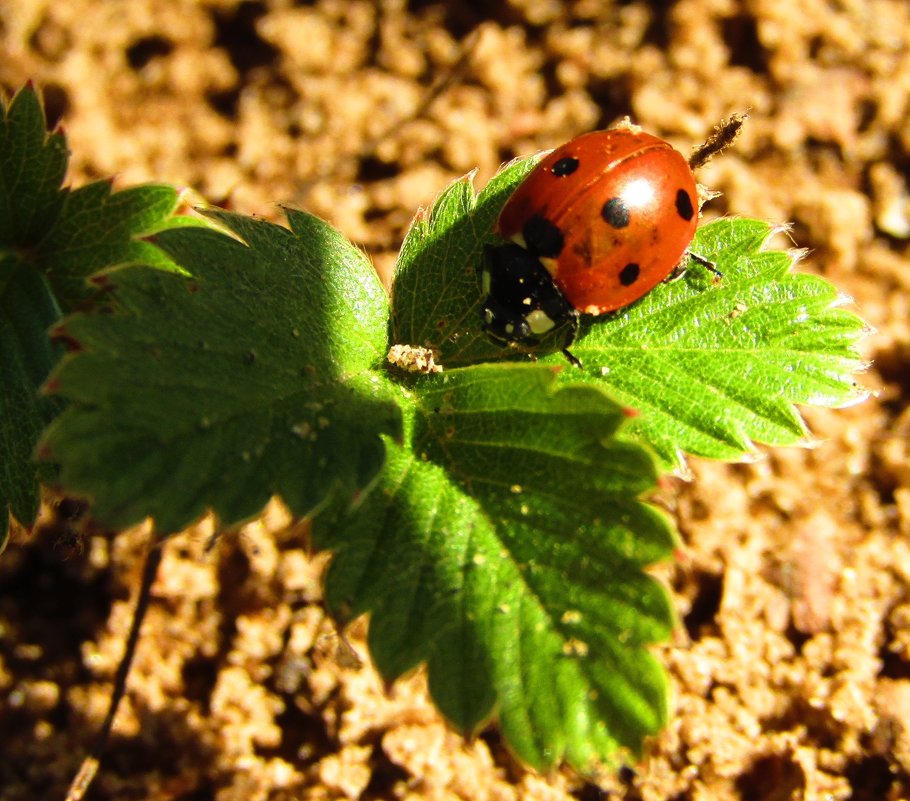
(44, 452)
(681, 637)
(858, 395)
(58, 333)
(681, 469)
(100, 280)
(558, 368)
(751, 454)
(681, 556)
(785, 228)
(796, 255)
(842, 299)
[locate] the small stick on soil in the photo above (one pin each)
(90, 764)
(452, 76)
(724, 135)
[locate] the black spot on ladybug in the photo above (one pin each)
(564, 167)
(542, 237)
(629, 274)
(615, 212)
(684, 206)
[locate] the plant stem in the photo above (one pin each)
(92, 761)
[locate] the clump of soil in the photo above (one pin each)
(792, 675)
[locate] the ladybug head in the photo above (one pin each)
(523, 305)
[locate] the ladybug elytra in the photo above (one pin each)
(596, 225)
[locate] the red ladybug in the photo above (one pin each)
(595, 226)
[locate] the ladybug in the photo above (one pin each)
(597, 224)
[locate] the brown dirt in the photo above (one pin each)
(792, 676)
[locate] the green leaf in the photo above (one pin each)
(712, 367)
(32, 165)
(27, 309)
(253, 377)
(51, 240)
(436, 293)
(100, 230)
(505, 546)
(715, 365)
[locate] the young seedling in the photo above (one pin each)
(489, 514)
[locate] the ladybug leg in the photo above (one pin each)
(680, 269)
(574, 323)
(707, 264)
(571, 358)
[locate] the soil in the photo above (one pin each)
(792, 672)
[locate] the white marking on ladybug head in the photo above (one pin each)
(551, 265)
(539, 322)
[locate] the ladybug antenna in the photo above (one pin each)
(724, 135)
(575, 324)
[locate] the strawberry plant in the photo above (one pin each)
(487, 509)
